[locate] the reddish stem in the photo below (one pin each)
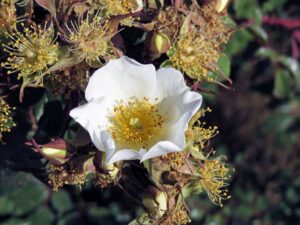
(287, 23)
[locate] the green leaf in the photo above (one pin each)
(225, 64)
(38, 108)
(42, 216)
(61, 201)
(282, 86)
(273, 5)
(229, 22)
(72, 218)
(246, 9)
(166, 63)
(6, 207)
(98, 213)
(282, 121)
(25, 193)
(14, 221)
(291, 64)
(238, 41)
(260, 32)
(268, 53)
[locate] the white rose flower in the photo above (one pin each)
(135, 112)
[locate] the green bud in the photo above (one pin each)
(160, 43)
(155, 4)
(155, 201)
(55, 151)
(88, 166)
(221, 5)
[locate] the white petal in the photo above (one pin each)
(177, 130)
(125, 154)
(93, 117)
(170, 82)
(122, 78)
(178, 111)
(108, 143)
(159, 149)
(175, 106)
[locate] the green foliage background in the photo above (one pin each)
(259, 126)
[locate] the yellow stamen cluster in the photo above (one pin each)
(59, 176)
(214, 175)
(8, 16)
(214, 26)
(91, 39)
(6, 121)
(31, 51)
(194, 54)
(136, 124)
(169, 22)
(176, 160)
(198, 134)
(177, 216)
(116, 7)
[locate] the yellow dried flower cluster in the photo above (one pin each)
(176, 160)
(214, 27)
(108, 177)
(196, 50)
(6, 121)
(91, 40)
(192, 169)
(169, 22)
(8, 16)
(177, 216)
(70, 79)
(59, 176)
(30, 52)
(214, 174)
(117, 7)
(194, 54)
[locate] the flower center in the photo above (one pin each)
(135, 124)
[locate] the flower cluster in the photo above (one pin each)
(192, 49)
(90, 40)
(31, 52)
(132, 123)
(8, 16)
(62, 82)
(198, 34)
(118, 7)
(153, 117)
(6, 121)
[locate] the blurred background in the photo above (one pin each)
(259, 124)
